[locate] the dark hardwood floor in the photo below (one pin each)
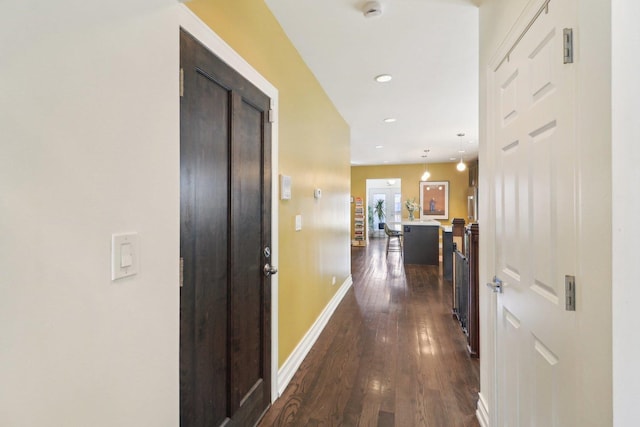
(391, 355)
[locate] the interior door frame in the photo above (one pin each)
(370, 186)
(205, 35)
(488, 411)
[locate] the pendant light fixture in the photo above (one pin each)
(461, 166)
(425, 176)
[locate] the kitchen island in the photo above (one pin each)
(421, 240)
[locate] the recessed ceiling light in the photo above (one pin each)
(379, 146)
(383, 78)
(390, 120)
(453, 158)
(460, 151)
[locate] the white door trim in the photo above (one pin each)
(205, 35)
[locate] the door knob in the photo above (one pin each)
(269, 270)
(496, 285)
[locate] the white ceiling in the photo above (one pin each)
(430, 47)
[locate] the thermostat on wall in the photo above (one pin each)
(285, 187)
(317, 193)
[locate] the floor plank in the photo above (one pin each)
(391, 355)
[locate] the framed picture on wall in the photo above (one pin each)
(434, 199)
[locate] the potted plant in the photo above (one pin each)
(378, 209)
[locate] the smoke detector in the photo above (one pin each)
(371, 9)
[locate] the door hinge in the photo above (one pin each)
(181, 82)
(567, 44)
(570, 293)
(181, 271)
(270, 116)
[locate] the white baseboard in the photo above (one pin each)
(482, 411)
(294, 361)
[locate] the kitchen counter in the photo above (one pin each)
(421, 240)
(427, 223)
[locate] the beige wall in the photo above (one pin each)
(626, 227)
(314, 150)
(90, 147)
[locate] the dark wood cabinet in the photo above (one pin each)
(420, 242)
(458, 233)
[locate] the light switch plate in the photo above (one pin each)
(298, 222)
(285, 187)
(125, 255)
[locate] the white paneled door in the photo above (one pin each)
(535, 194)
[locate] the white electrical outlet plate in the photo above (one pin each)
(125, 255)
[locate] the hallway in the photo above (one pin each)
(391, 355)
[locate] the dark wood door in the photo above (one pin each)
(225, 214)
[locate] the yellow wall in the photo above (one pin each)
(410, 176)
(314, 151)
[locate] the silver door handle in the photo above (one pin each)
(269, 270)
(496, 285)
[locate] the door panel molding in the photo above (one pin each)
(208, 38)
(225, 356)
(530, 129)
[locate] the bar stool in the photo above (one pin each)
(393, 234)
